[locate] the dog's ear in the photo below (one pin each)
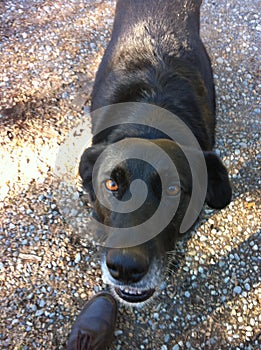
(219, 190)
(87, 162)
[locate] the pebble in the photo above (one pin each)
(252, 322)
(166, 338)
(156, 316)
(41, 303)
(237, 290)
(203, 238)
(247, 286)
(187, 294)
(39, 313)
(77, 258)
(220, 60)
(176, 347)
(118, 332)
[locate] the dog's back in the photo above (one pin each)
(151, 36)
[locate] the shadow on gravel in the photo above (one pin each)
(48, 109)
(236, 266)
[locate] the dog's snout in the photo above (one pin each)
(127, 266)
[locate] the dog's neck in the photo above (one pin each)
(172, 86)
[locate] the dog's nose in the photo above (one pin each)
(127, 266)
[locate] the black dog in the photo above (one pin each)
(156, 57)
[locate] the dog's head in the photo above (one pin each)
(135, 271)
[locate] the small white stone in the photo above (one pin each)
(77, 258)
(237, 290)
(252, 322)
(247, 286)
(39, 313)
(211, 222)
(118, 332)
(41, 303)
(30, 296)
(229, 217)
(15, 321)
(243, 145)
(187, 294)
(75, 196)
(35, 83)
(156, 316)
(175, 347)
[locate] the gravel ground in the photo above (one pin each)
(49, 55)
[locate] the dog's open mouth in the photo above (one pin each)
(133, 295)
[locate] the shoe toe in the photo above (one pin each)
(93, 328)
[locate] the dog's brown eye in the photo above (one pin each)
(173, 190)
(111, 185)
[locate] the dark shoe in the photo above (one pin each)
(94, 327)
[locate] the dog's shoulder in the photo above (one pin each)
(144, 33)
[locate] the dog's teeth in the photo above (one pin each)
(132, 291)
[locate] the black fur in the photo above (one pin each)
(155, 56)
